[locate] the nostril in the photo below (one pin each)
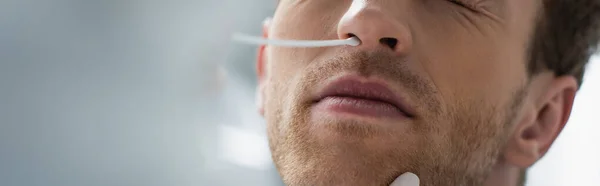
(390, 42)
(350, 35)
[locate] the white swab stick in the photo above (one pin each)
(353, 41)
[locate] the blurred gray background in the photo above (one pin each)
(153, 93)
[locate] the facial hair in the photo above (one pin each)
(457, 144)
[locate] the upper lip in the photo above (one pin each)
(352, 86)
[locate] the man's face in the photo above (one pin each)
(433, 89)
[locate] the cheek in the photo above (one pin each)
(285, 67)
(469, 57)
(479, 75)
(469, 68)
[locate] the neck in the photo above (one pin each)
(503, 175)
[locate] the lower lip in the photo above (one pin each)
(359, 107)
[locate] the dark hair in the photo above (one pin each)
(566, 36)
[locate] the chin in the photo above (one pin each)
(336, 173)
(334, 157)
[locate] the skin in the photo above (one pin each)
(479, 118)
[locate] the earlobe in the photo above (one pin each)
(545, 115)
(522, 147)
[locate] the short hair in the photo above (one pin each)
(566, 35)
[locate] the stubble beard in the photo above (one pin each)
(463, 156)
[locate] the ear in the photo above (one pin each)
(261, 70)
(546, 112)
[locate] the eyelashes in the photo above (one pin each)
(458, 2)
(464, 3)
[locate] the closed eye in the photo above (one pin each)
(459, 3)
(468, 4)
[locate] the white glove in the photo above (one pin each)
(406, 179)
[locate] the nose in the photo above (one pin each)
(375, 28)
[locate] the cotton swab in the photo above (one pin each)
(353, 41)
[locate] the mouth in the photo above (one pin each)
(357, 96)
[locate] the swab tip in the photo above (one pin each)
(407, 179)
(353, 41)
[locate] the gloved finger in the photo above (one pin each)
(406, 179)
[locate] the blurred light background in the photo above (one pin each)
(153, 93)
